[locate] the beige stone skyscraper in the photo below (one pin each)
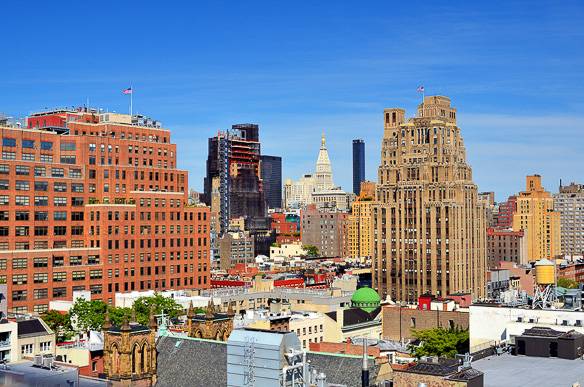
(429, 228)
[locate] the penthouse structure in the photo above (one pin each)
(92, 201)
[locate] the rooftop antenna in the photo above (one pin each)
(365, 368)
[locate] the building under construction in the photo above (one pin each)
(233, 184)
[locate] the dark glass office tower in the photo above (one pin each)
(271, 167)
(358, 165)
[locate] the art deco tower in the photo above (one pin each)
(324, 172)
(429, 228)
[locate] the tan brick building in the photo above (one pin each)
(429, 227)
(360, 223)
(536, 216)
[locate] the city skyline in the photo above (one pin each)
(521, 111)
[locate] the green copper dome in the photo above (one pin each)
(366, 299)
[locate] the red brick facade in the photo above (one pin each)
(99, 207)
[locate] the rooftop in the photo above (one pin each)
(512, 371)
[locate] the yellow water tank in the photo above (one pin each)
(545, 272)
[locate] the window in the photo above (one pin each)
(19, 263)
(41, 200)
(22, 170)
(4, 215)
(76, 187)
(41, 186)
(41, 262)
(75, 173)
(19, 279)
(41, 230)
(59, 276)
(58, 261)
(7, 141)
(4, 186)
(59, 292)
(4, 169)
(21, 215)
(60, 201)
(77, 216)
(40, 171)
(57, 172)
(68, 159)
(26, 349)
(76, 202)
(60, 230)
(4, 231)
(413, 322)
(40, 278)
(28, 156)
(46, 145)
(22, 185)
(22, 200)
(21, 231)
(60, 215)
(78, 275)
(40, 294)
(28, 144)
(45, 346)
(75, 260)
(95, 274)
(4, 200)
(67, 146)
(41, 215)
(8, 155)
(46, 158)
(19, 295)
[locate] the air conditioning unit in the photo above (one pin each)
(48, 361)
(38, 360)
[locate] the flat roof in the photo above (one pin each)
(511, 371)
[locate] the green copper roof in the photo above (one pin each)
(366, 299)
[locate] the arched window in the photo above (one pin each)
(115, 366)
(144, 359)
(136, 355)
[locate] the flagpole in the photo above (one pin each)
(131, 100)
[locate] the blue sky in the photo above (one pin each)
(513, 69)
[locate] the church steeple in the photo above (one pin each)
(324, 172)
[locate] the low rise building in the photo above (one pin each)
(494, 323)
(399, 322)
(236, 247)
(9, 350)
(287, 250)
(506, 245)
(35, 338)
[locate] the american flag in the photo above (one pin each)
(420, 89)
(127, 91)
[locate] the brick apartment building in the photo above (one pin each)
(95, 202)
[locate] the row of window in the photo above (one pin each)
(41, 215)
(40, 230)
(57, 261)
(40, 201)
(40, 171)
(30, 144)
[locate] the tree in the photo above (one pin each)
(159, 303)
(311, 250)
(440, 342)
(567, 283)
(88, 315)
(117, 315)
(59, 323)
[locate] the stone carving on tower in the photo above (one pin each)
(130, 352)
(211, 324)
